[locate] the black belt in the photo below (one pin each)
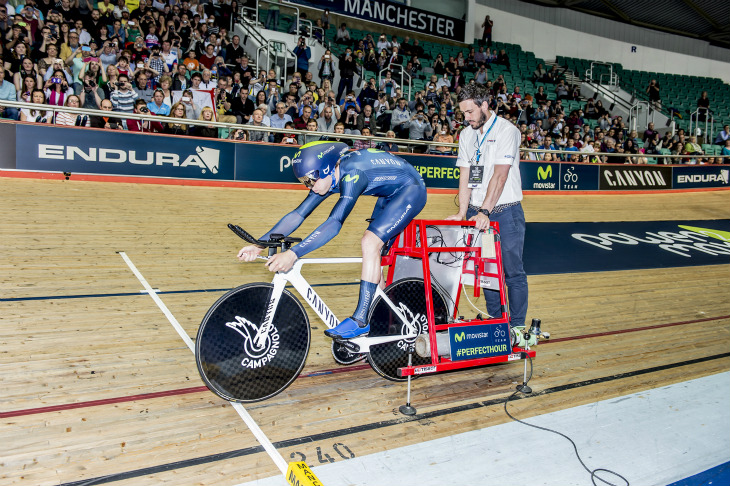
(497, 209)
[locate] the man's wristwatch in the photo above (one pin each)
(484, 211)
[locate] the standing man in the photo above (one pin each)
(490, 188)
(303, 54)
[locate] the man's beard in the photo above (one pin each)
(481, 122)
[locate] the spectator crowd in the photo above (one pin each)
(176, 60)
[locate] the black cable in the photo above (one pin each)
(593, 472)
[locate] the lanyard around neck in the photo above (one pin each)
(479, 147)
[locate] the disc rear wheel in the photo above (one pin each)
(409, 295)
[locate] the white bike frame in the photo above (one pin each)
(294, 277)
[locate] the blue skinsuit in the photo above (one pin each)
(367, 172)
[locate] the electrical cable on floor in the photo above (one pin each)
(593, 472)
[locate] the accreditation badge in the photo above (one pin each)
(476, 176)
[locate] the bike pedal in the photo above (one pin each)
(350, 346)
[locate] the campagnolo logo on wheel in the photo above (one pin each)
(413, 326)
(260, 343)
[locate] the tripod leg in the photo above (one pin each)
(407, 409)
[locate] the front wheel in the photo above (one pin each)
(238, 358)
(409, 295)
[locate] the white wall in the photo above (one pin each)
(547, 41)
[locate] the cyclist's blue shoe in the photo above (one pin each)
(348, 329)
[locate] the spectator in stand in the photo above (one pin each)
(181, 80)
(349, 119)
(208, 58)
(257, 120)
(7, 93)
(26, 69)
(57, 89)
(326, 66)
(301, 122)
(503, 59)
(703, 104)
(142, 85)
(207, 131)
(482, 75)
(348, 67)
(487, 26)
(363, 144)
(326, 122)
(174, 127)
(106, 122)
(400, 119)
(443, 136)
(303, 53)
(158, 106)
(147, 126)
(307, 137)
(723, 136)
(540, 75)
(726, 151)
(26, 88)
(272, 15)
(655, 97)
(388, 146)
(692, 147)
(419, 128)
(439, 66)
(338, 136)
(343, 35)
(366, 119)
(481, 57)
(71, 119)
(561, 90)
(37, 97)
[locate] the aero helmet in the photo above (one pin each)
(316, 160)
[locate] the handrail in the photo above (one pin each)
(694, 117)
(405, 143)
(402, 73)
(635, 108)
(613, 80)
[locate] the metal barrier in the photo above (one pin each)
(694, 123)
(403, 74)
(280, 57)
(635, 110)
(613, 80)
(407, 144)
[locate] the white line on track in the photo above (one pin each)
(242, 412)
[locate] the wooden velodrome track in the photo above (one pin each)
(96, 383)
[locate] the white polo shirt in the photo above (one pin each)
(500, 147)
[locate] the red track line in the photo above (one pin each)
(198, 389)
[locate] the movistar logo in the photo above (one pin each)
(543, 173)
(459, 337)
(712, 233)
(321, 154)
(349, 178)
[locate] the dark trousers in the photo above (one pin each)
(344, 87)
(512, 235)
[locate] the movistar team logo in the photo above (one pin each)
(459, 337)
(544, 173)
(349, 178)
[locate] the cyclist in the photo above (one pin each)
(327, 168)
